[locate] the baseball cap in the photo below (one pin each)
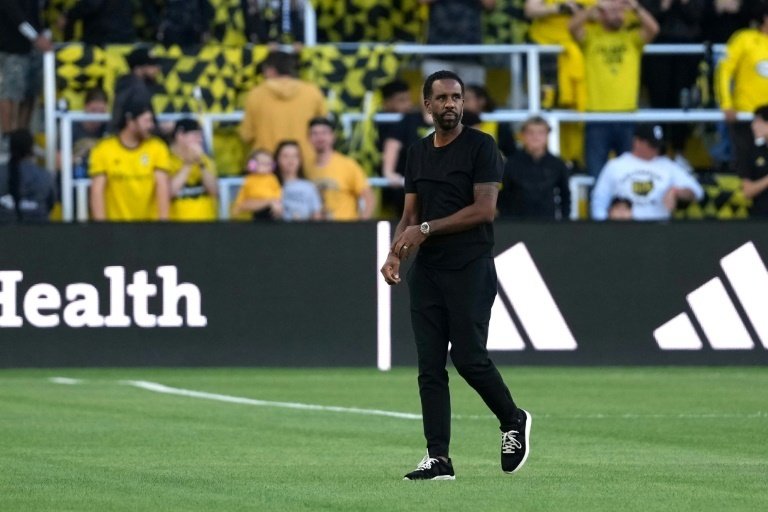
(140, 57)
(651, 133)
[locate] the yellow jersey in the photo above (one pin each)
(742, 80)
(193, 203)
(257, 186)
(340, 181)
(612, 66)
(130, 193)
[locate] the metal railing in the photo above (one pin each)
(515, 52)
(74, 191)
(532, 53)
(556, 117)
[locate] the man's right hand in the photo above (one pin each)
(391, 270)
(730, 115)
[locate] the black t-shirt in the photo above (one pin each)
(411, 128)
(758, 168)
(444, 180)
(535, 188)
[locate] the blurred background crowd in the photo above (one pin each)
(299, 110)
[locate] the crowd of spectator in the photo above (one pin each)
(294, 170)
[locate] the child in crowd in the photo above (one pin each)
(260, 195)
(620, 209)
(301, 200)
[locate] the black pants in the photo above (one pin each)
(665, 77)
(455, 306)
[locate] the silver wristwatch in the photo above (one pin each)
(424, 228)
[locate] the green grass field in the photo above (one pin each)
(613, 439)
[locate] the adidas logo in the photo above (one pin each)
(717, 315)
(522, 291)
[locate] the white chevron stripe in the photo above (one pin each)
(718, 317)
(532, 300)
(678, 334)
(749, 278)
(502, 333)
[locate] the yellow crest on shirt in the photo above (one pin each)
(642, 188)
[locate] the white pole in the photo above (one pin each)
(534, 80)
(49, 107)
(310, 24)
(67, 211)
(516, 79)
(384, 300)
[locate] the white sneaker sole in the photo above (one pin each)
(441, 477)
(528, 422)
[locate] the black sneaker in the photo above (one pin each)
(432, 469)
(516, 444)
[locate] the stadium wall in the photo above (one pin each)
(303, 295)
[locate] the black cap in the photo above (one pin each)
(762, 112)
(186, 125)
(653, 134)
(140, 57)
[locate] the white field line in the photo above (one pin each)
(168, 390)
(65, 380)
(160, 388)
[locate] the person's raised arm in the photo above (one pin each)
(540, 9)
(578, 23)
(179, 179)
(210, 179)
(649, 27)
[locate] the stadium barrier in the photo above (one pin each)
(74, 190)
(529, 104)
(310, 294)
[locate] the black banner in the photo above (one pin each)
(287, 295)
(615, 284)
(305, 295)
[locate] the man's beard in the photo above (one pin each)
(447, 124)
